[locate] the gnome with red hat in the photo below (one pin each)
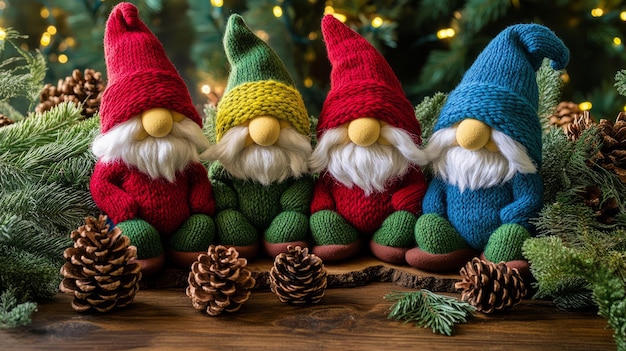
(148, 178)
(370, 186)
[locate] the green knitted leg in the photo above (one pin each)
(234, 229)
(397, 230)
(288, 226)
(434, 234)
(329, 228)
(196, 234)
(505, 244)
(144, 236)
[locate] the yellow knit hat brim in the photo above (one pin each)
(261, 98)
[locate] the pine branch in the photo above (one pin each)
(427, 113)
(32, 276)
(620, 82)
(12, 313)
(429, 310)
(550, 83)
(478, 13)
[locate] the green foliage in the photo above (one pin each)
(21, 76)
(620, 82)
(429, 310)
(427, 113)
(602, 270)
(12, 313)
(549, 83)
(45, 166)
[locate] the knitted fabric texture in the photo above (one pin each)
(258, 84)
(362, 84)
(264, 98)
(125, 193)
(500, 88)
(140, 75)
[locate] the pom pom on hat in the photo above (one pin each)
(258, 84)
(500, 88)
(362, 84)
(140, 75)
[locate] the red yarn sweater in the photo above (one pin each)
(367, 212)
(125, 193)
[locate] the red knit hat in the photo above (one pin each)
(361, 84)
(140, 75)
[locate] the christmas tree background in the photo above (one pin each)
(579, 256)
(428, 43)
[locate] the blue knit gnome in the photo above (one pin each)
(485, 154)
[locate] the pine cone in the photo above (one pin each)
(490, 287)
(581, 122)
(219, 281)
(604, 209)
(298, 277)
(5, 121)
(97, 269)
(78, 88)
(613, 152)
(565, 113)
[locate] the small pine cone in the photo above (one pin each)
(605, 209)
(490, 287)
(219, 281)
(97, 270)
(298, 277)
(575, 129)
(78, 88)
(565, 113)
(612, 155)
(5, 121)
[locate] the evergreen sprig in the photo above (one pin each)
(427, 113)
(20, 76)
(12, 313)
(429, 310)
(620, 82)
(550, 83)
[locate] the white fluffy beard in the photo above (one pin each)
(157, 157)
(371, 168)
(480, 168)
(263, 164)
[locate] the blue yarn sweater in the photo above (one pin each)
(475, 214)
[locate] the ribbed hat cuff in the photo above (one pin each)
(136, 93)
(261, 98)
(368, 99)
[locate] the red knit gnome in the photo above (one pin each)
(148, 178)
(371, 186)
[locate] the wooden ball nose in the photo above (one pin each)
(264, 130)
(364, 131)
(472, 134)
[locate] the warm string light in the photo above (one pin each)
(217, 3)
(3, 34)
(3, 5)
(206, 89)
(446, 33)
(622, 16)
(377, 22)
(308, 82)
(278, 11)
(585, 106)
(617, 41)
(597, 12)
(44, 12)
(45, 40)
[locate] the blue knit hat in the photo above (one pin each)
(500, 89)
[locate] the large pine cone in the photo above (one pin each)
(5, 121)
(219, 281)
(298, 277)
(565, 113)
(97, 269)
(78, 88)
(575, 129)
(490, 287)
(613, 152)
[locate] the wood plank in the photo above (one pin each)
(346, 318)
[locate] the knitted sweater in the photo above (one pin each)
(259, 203)
(475, 214)
(125, 193)
(367, 212)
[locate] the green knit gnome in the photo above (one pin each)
(260, 178)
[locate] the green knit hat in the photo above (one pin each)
(259, 83)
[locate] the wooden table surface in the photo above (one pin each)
(352, 318)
